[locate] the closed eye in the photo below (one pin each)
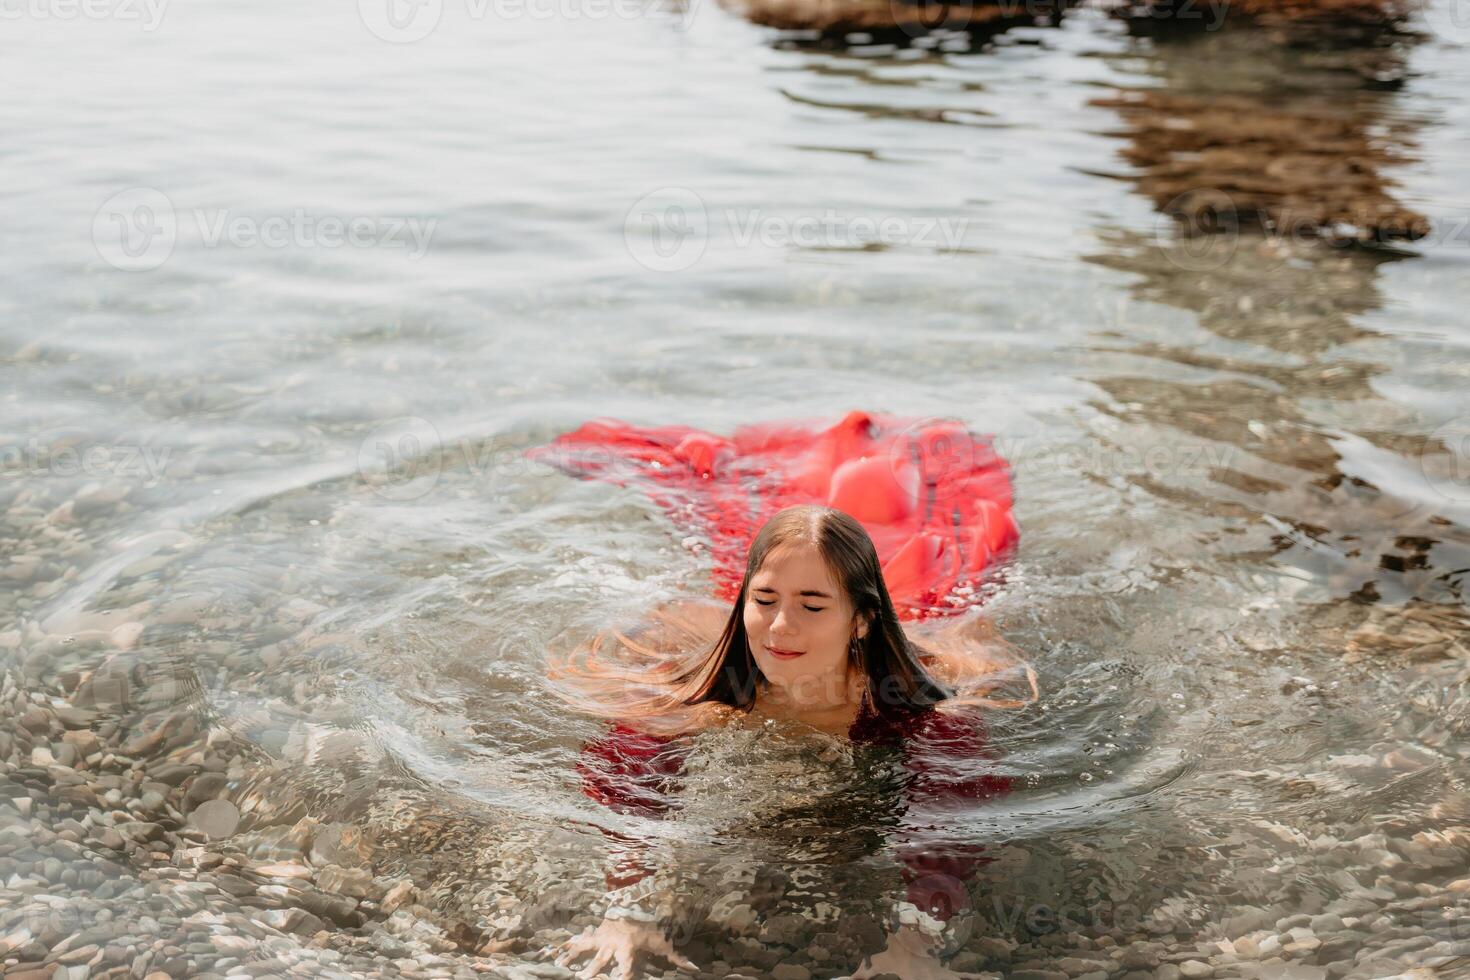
(772, 602)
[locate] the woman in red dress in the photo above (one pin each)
(813, 640)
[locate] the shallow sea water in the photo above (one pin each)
(1239, 465)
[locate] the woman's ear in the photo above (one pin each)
(864, 621)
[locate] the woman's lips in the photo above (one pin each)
(783, 654)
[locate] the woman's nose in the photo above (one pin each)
(781, 624)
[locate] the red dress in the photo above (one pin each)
(631, 772)
(934, 497)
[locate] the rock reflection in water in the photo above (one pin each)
(1251, 129)
(1291, 433)
(1276, 141)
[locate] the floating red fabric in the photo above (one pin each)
(935, 497)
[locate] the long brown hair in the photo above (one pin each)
(667, 674)
(897, 682)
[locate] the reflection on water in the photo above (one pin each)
(1233, 132)
(280, 581)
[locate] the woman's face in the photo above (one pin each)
(800, 622)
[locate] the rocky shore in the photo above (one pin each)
(1291, 21)
(120, 857)
(897, 17)
(1298, 21)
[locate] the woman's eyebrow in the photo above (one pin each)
(811, 592)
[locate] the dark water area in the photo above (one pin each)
(279, 581)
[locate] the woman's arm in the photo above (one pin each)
(950, 770)
(946, 757)
(630, 772)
